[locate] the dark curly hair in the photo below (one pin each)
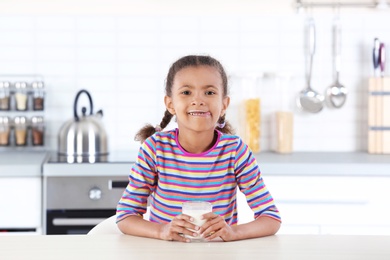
(184, 62)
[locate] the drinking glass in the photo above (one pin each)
(196, 209)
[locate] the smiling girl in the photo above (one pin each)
(199, 160)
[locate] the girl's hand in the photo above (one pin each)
(216, 226)
(177, 228)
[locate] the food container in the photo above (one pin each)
(252, 123)
(5, 130)
(379, 115)
(21, 96)
(38, 95)
(37, 130)
(20, 131)
(5, 95)
(283, 133)
(282, 120)
(250, 110)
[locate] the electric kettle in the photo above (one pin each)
(83, 136)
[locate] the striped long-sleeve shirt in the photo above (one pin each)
(170, 175)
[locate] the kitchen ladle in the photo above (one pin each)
(308, 99)
(336, 94)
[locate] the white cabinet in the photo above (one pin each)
(21, 205)
(332, 204)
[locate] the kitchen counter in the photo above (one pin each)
(18, 164)
(299, 163)
(116, 164)
(290, 247)
(21, 164)
(324, 163)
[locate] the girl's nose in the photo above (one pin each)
(198, 100)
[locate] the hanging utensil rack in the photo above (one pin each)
(381, 4)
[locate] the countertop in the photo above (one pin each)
(17, 164)
(324, 163)
(21, 164)
(302, 247)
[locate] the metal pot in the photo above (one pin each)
(83, 137)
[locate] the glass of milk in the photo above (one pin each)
(196, 209)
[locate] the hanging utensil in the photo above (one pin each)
(375, 57)
(336, 94)
(382, 58)
(308, 99)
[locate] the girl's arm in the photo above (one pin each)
(137, 226)
(263, 226)
(216, 226)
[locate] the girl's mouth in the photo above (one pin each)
(199, 113)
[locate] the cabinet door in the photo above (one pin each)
(20, 200)
(332, 204)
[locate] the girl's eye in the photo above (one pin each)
(186, 92)
(210, 93)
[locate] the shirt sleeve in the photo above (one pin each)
(251, 184)
(142, 182)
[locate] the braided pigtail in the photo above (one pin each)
(148, 130)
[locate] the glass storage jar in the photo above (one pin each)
(5, 95)
(20, 127)
(252, 127)
(250, 111)
(282, 119)
(21, 96)
(38, 95)
(5, 130)
(38, 130)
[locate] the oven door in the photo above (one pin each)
(75, 204)
(73, 222)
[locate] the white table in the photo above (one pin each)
(125, 247)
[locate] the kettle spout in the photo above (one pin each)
(99, 113)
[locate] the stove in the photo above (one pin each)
(80, 194)
(114, 157)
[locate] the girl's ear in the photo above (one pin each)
(225, 105)
(169, 105)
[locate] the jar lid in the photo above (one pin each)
(20, 120)
(20, 84)
(37, 119)
(37, 84)
(4, 120)
(4, 84)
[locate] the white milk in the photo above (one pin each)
(196, 209)
(196, 214)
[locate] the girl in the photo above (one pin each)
(200, 160)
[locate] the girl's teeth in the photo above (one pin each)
(197, 113)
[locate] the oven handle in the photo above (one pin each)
(77, 221)
(112, 184)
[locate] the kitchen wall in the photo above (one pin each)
(121, 55)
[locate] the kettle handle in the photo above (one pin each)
(76, 100)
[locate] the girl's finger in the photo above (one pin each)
(179, 237)
(211, 235)
(209, 215)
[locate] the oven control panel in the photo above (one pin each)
(82, 192)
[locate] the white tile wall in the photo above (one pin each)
(123, 60)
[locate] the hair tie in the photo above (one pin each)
(221, 125)
(157, 128)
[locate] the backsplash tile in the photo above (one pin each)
(123, 60)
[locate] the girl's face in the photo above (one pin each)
(197, 98)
